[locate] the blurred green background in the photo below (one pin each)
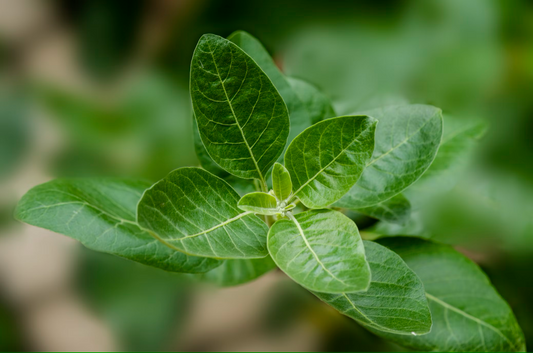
(95, 87)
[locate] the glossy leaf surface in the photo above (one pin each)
(407, 140)
(242, 119)
(258, 202)
(100, 213)
(395, 302)
(196, 212)
(321, 250)
(468, 314)
(327, 159)
(281, 181)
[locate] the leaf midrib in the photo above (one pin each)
(261, 177)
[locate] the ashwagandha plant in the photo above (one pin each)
(299, 170)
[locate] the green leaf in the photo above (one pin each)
(321, 250)
(327, 159)
(395, 210)
(259, 202)
(468, 314)
(458, 142)
(242, 119)
(100, 213)
(281, 181)
(195, 212)
(235, 272)
(395, 302)
(317, 104)
(407, 139)
(205, 159)
(299, 114)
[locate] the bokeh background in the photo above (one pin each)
(100, 88)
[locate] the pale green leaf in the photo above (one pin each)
(468, 314)
(317, 104)
(327, 159)
(259, 202)
(407, 139)
(193, 211)
(394, 210)
(242, 119)
(236, 272)
(321, 250)
(299, 114)
(100, 213)
(281, 181)
(395, 302)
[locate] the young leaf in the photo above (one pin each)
(395, 302)
(281, 181)
(236, 272)
(327, 159)
(241, 117)
(317, 104)
(195, 212)
(468, 314)
(321, 250)
(259, 202)
(395, 210)
(100, 213)
(299, 114)
(407, 139)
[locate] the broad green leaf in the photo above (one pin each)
(407, 139)
(195, 212)
(317, 104)
(259, 202)
(298, 112)
(468, 314)
(321, 250)
(242, 119)
(395, 210)
(395, 302)
(100, 213)
(235, 272)
(205, 159)
(459, 139)
(327, 159)
(281, 181)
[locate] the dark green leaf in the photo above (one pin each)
(321, 250)
(395, 302)
(468, 314)
(407, 139)
(259, 202)
(193, 211)
(395, 210)
(327, 159)
(100, 213)
(318, 105)
(235, 272)
(241, 117)
(205, 159)
(281, 181)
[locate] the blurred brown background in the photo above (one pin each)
(95, 87)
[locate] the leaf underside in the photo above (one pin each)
(258, 202)
(196, 212)
(242, 119)
(395, 302)
(100, 213)
(321, 251)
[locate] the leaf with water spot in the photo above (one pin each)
(100, 213)
(327, 159)
(193, 211)
(321, 250)
(407, 140)
(242, 119)
(468, 313)
(395, 302)
(259, 203)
